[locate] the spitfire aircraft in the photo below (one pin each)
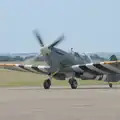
(62, 65)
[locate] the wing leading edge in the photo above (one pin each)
(107, 67)
(26, 68)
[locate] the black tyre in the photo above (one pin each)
(73, 83)
(110, 85)
(70, 81)
(47, 84)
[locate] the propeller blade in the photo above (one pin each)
(38, 38)
(56, 42)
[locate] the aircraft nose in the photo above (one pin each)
(45, 51)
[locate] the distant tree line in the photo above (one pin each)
(10, 58)
(20, 58)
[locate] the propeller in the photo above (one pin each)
(46, 50)
(38, 38)
(56, 42)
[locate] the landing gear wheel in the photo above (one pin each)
(73, 83)
(47, 84)
(110, 85)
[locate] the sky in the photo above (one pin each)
(88, 25)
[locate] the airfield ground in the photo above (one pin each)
(60, 103)
(15, 78)
(22, 97)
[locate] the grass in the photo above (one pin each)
(15, 78)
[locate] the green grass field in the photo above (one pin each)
(15, 78)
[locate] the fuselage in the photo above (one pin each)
(62, 61)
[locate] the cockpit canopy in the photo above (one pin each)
(82, 57)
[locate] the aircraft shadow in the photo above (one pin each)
(67, 88)
(87, 88)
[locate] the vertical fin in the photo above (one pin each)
(113, 58)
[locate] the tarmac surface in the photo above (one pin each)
(60, 103)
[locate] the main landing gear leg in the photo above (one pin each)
(73, 83)
(47, 83)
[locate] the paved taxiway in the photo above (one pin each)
(85, 103)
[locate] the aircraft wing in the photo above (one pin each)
(26, 68)
(107, 67)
